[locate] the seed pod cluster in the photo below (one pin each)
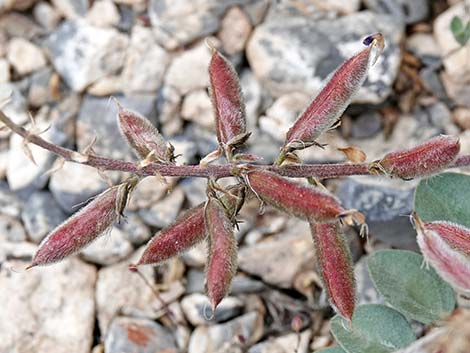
(328, 106)
(425, 159)
(336, 266)
(228, 103)
(222, 263)
(446, 247)
(143, 137)
(84, 226)
(303, 201)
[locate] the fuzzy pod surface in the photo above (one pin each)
(303, 201)
(143, 137)
(79, 230)
(451, 263)
(336, 266)
(425, 159)
(328, 106)
(222, 264)
(227, 100)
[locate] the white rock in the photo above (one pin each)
(46, 15)
(341, 6)
(457, 63)
(188, 71)
(6, 5)
(197, 107)
(103, 13)
(11, 229)
(110, 248)
(71, 9)
(145, 63)
(82, 54)
(284, 344)
(4, 71)
(148, 192)
(24, 56)
(282, 114)
(220, 338)
(252, 94)
(164, 212)
(235, 30)
(47, 309)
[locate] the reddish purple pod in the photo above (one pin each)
(328, 106)
(336, 266)
(222, 264)
(228, 102)
(143, 137)
(425, 159)
(445, 246)
(79, 230)
(303, 201)
(187, 231)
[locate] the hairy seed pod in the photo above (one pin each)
(143, 137)
(425, 159)
(222, 263)
(302, 201)
(79, 230)
(336, 266)
(187, 231)
(228, 102)
(441, 244)
(328, 106)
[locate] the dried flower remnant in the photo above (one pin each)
(222, 263)
(187, 231)
(228, 103)
(443, 245)
(425, 159)
(336, 266)
(84, 226)
(328, 106)
(144, 138)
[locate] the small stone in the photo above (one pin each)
(164, 212)
(284, 344)
(74, 184)
(222, 337)
(296, 54)
(46, 15)
(197, 107)
(10, 204)
(71, 9)
(24, 56)
(457, 88)
(256, 10)
(261, 144)
(178, 22)
(14, 24)
(134, 228)
(185, 149)
(120, 291)
(40, 92)
(41, 214)
(103, 13)
(441, 117)
(366, 125)
(433, 83)
(82, 54)
(282, 114)
(188, 71)
(21, 5)
(148, 192)
(11, 230)
(139, 335)
(410, 11)
(195, 190)
(106, 86)
(4, 71)
(145, 64)
(241, 284)
(110, 248)
(365, 289)
(16, 109)
(278, 261)
(462, 117)
(168, 104)
(385, 203)
(196, 256)
(424, 46)
(196, 308)
(235, 29)
(343, 7)
(47, 309)
(252, 94)
(204, 139)
(109, 140)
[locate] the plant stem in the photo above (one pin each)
(321, 171)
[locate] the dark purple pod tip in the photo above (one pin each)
(367, 40)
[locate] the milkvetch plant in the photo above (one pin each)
(444, 242)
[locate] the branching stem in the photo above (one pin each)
(200, 171)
